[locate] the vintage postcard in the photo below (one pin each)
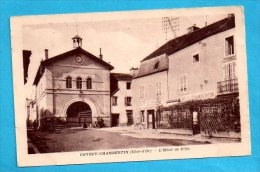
(130, 86)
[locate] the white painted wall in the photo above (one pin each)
(121, 107)
(150, 97)
(202, 77)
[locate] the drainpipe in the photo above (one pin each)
(53, 100)
(167, 84)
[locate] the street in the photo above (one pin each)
(67, 140)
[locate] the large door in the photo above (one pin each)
(78, 113)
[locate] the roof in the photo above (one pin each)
(49, 61)
(76, 37)
(186, 40)
(155, 65)
(122, 76)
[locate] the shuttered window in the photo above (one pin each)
(183, 84)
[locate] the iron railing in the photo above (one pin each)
(228, 86)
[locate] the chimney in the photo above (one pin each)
(231, 15)
(133, 71)
(46, 54)
(100, 54)
(193, 28)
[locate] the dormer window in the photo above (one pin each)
(68, 82)
(196, 58)
(156, 65)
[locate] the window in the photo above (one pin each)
(141, 93)
(158, 92)
(183, 84)
(89, 83)
(114, 101)
(79, 83)
(128, 101)
(196, 58)
(128, 85)
(156, 65)
(68, 82)
(229, 71)
(229, 46)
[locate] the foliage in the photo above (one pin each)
(215, 115)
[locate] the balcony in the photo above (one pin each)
(228, 86)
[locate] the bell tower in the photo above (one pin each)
(77, 41)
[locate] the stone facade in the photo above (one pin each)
(54, 96)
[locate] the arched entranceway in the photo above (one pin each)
(78, 113)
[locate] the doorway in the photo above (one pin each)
(79, 113)
(195, 122)
(115, 119)
(150, 119)
(130, 119)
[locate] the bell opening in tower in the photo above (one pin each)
(77, 41)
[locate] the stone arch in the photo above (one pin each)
(85, 100)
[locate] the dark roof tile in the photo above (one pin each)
(186, 40)
(46, 62)
(122, 76)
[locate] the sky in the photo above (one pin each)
(124, 43)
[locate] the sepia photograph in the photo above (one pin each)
(130, 86)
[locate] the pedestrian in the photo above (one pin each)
(101, 122)
(35, 125)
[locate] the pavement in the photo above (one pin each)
(80, 139)
(83, 139)
(165, 134)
